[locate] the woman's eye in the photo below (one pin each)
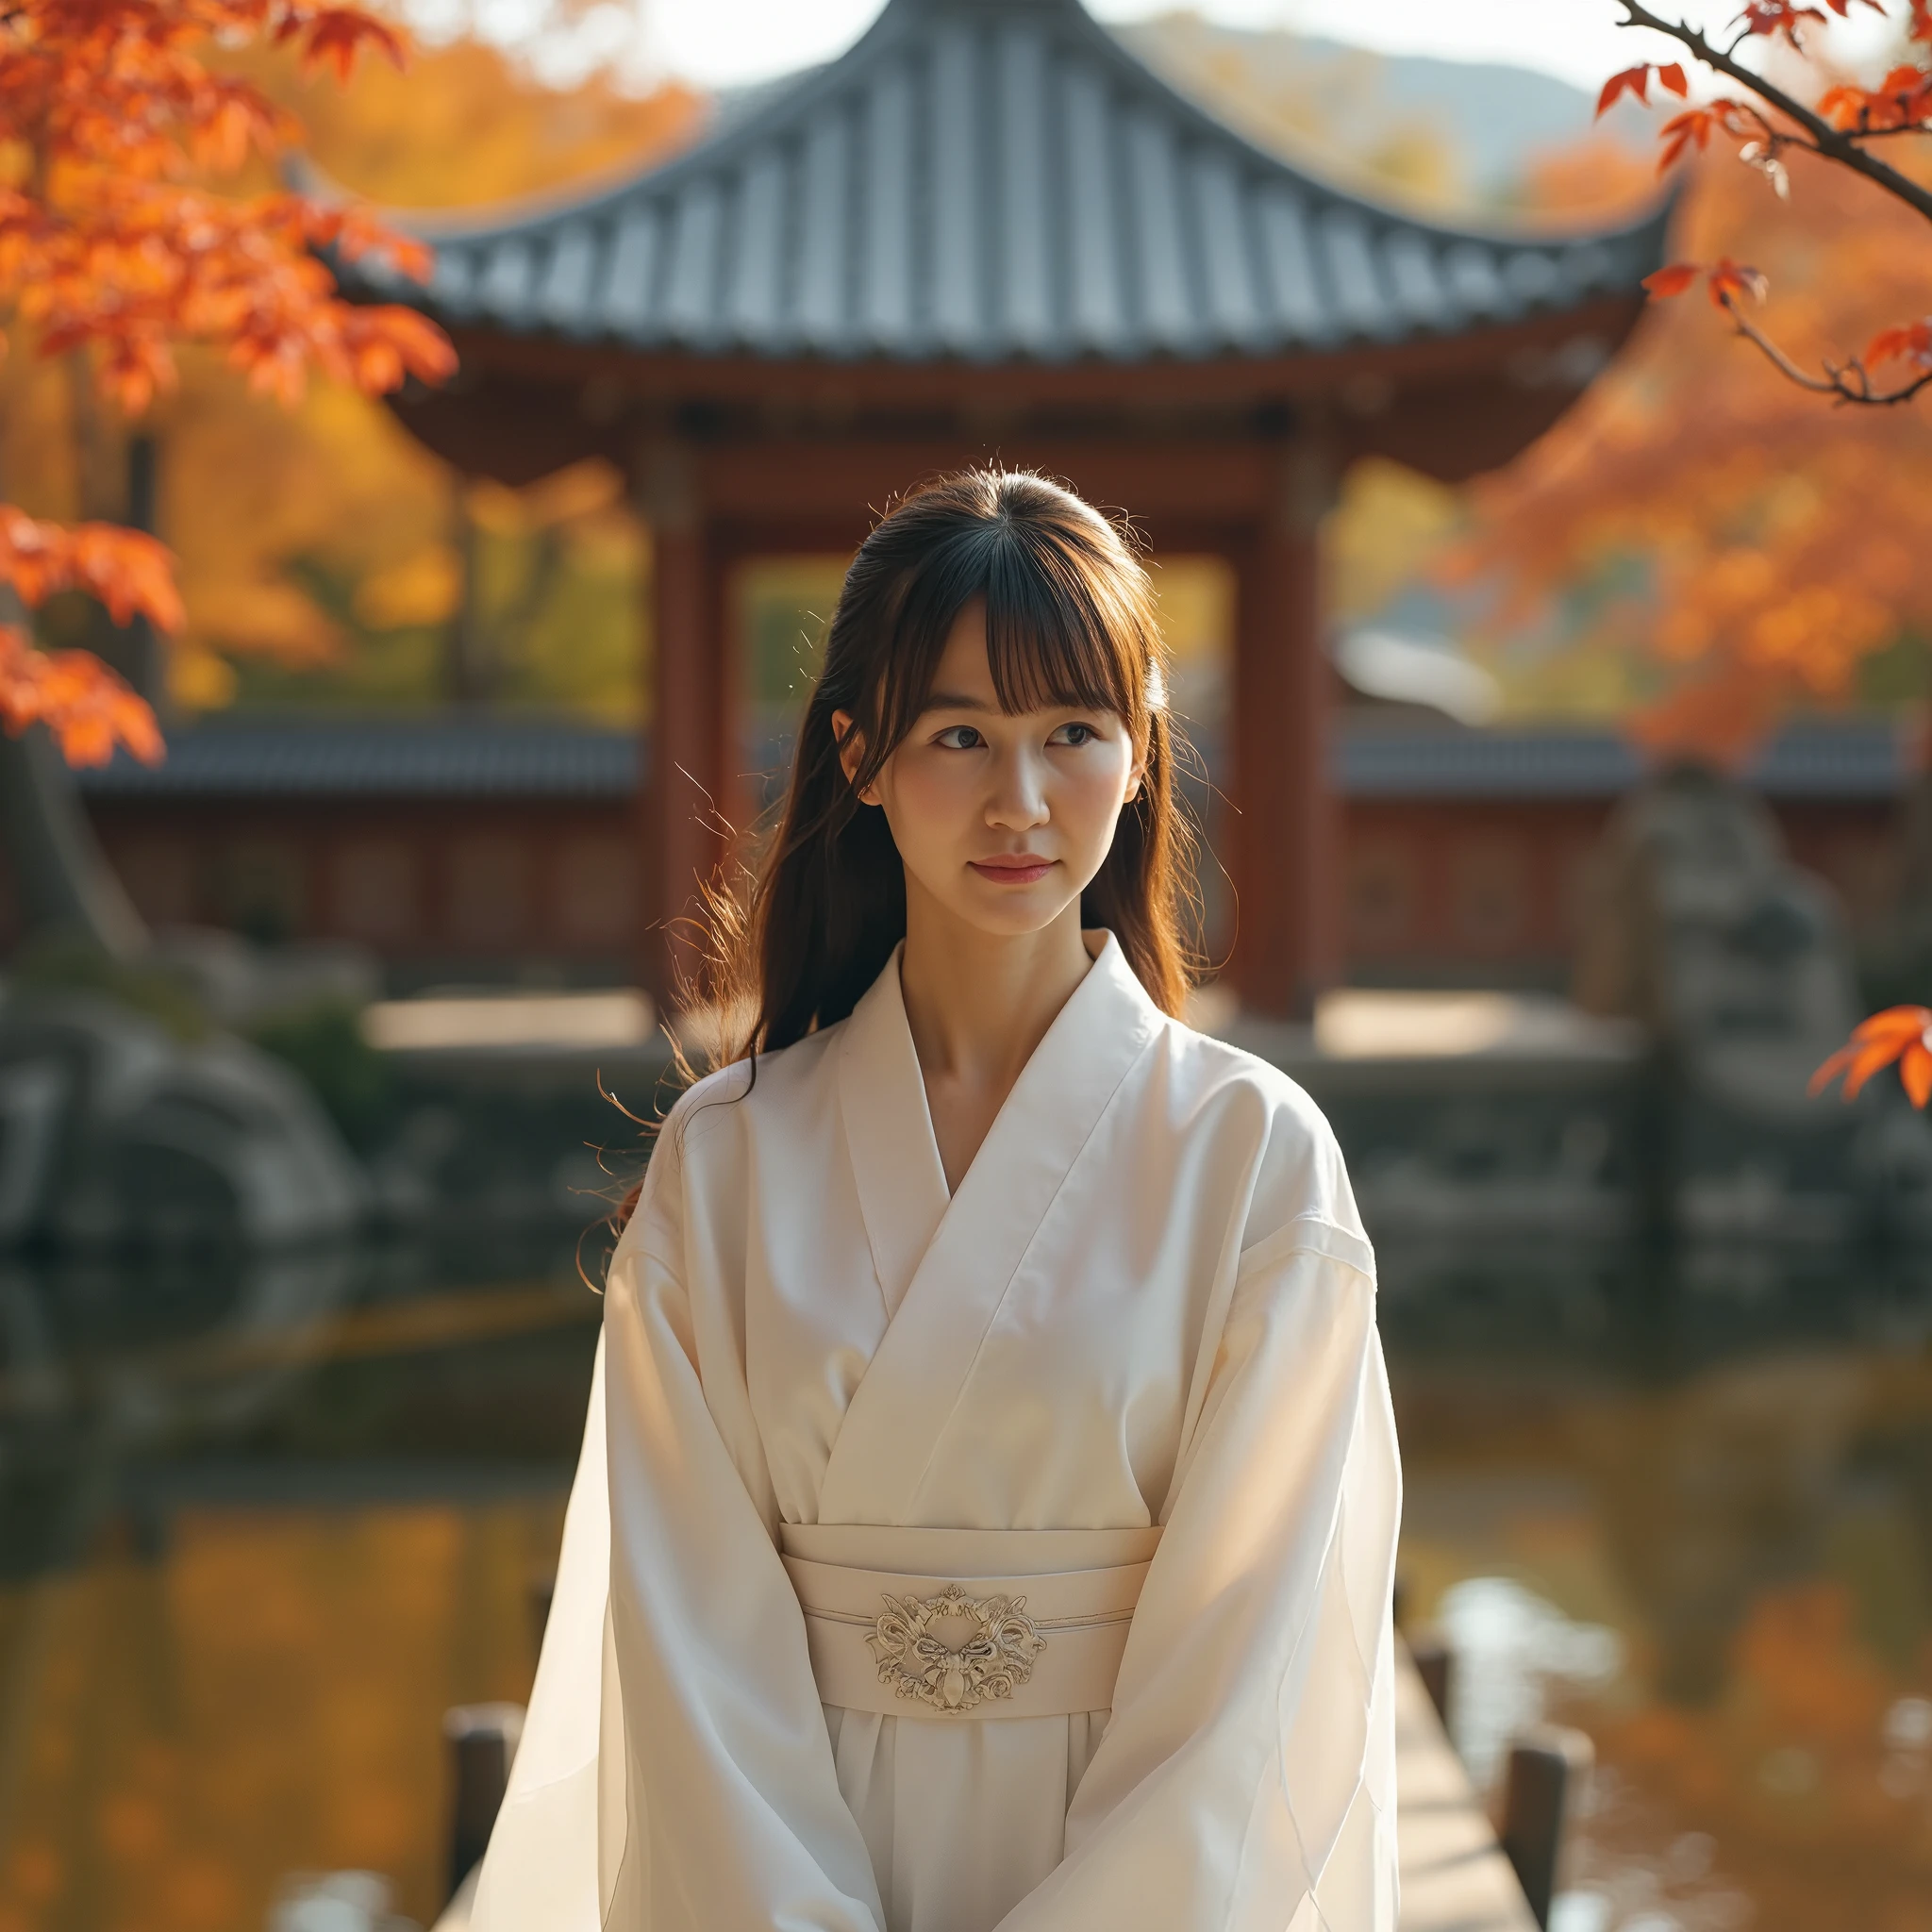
(1073, 734)
(958, 737)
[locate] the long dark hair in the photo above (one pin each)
(1070, 619)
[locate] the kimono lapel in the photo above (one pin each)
(895, 1160)
(978, 1240)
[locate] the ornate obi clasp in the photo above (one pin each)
(953, 1651)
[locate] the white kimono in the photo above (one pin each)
(1150, 1305)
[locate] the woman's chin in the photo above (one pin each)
(1007, 912)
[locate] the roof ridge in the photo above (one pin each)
(788, 95)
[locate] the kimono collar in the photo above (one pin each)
(1055, 1102)
(944, 1267)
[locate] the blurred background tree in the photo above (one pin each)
(322, 553)
(115, 252)
(1700, 544)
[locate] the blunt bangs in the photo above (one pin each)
(1069, 614)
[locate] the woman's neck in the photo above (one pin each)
(977, 1004)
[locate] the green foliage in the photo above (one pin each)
(1899, 675)
(785, 605)
(323, 1043)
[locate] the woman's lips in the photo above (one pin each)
(1020, 871)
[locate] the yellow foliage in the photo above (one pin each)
(200, 681)
(1386, 527)
(465, 124)
(1197, 599)
(423, 588)
(251, 492)
(582, 491)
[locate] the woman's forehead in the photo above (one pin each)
(964, 659)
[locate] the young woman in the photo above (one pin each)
(987, 1514)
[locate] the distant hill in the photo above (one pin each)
(1458, 134)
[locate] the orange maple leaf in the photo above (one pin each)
(335, 35)
(126, 569)
(87, 707)
(1692, 128)
(1673, 280)
(1902, 99)
(1911, 342)
(1636, 80)
(1784, 17)
(1899, 1033)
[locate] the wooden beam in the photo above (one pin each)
(688, 793)
(611, 377)
(1285, 867)
(1217, 482)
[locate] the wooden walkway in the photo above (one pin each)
(1454, 1877)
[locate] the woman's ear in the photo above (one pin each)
(845, 735)
(1134, 779)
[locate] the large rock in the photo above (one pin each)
(1701, 927)
(116, 1134)
(239, 983)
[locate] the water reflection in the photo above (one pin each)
(259, 1528)
(1705, 1536)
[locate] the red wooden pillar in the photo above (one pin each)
(1285, 872)
(687, 795)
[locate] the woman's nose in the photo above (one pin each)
(1019, 794)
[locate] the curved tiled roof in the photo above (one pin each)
(993, 180)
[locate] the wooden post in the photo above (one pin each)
(1287, 941)
(686, 789)
(482, 1741)
(1545, 1765)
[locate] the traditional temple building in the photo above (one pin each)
(989, 232)
(475, 850)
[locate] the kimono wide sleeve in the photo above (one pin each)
(711, 1798)
(1246, 1782)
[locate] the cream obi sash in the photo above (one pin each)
(966, 1623)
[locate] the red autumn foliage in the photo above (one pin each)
(1725, 279)
(113, 244)
(1843, 126)
(1911, 343)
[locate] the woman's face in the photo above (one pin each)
(1001, 820)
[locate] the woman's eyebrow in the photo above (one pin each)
(955, 701)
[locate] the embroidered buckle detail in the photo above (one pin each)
(953, 1651)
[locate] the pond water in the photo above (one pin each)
(259, 1528)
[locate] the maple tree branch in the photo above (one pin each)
(1832, 143)
(1849, 382)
